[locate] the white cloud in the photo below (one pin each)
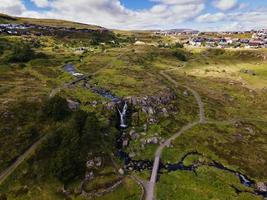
(233, 21)
(112, 14)
(41, 3)
(253, 19)
(225, 4)
(208, 17)
(165, 14)
(179, 1)
(14, 7)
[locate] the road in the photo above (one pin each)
(20, 159)
(150, 188)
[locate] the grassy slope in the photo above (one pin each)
(132, 70)
(47, 22)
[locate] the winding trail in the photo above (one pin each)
(150, 187)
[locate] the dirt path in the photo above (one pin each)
(150, 189)
(6, 173)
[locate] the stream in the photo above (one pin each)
(71, 69)
(140, 165)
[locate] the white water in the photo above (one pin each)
(244, 180)
(123, 115)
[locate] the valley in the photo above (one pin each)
(92, 113)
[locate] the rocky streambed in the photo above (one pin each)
(140, 165)
(152, 105)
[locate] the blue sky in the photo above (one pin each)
(148, 14)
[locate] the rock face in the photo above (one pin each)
(153, 106)
(150, 102)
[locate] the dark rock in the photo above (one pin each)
(248, 71)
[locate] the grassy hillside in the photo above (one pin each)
(47, 22)
(231, 83)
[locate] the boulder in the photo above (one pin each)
(165, 112)
(262, 187)
(121, 171)
(94, 103)
(151, 111)
(89, 176)
(98, 161)
(73, 105)
(90, 164)
(111, 105)
(249, 130)
(153, 140)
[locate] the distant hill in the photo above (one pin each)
(180, 31)
(4, 19)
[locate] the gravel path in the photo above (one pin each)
(150, 189)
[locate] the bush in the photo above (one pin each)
(56, 108)
(216, 52)
(180, 55)
(179, 45)
(21, 53)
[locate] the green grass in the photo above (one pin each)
(208, 184)
(134, 71)
(232, 146)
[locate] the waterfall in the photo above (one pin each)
(244, 180)
(123, 116)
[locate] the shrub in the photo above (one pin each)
(21, 53)
(56, 108)
(179, 45)
(180, 55)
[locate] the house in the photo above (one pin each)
(255, 44)
(196, 42)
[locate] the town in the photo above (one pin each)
(39, 30)
(239, 39)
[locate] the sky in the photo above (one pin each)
(203, 15)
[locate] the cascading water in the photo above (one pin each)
(123, 115)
